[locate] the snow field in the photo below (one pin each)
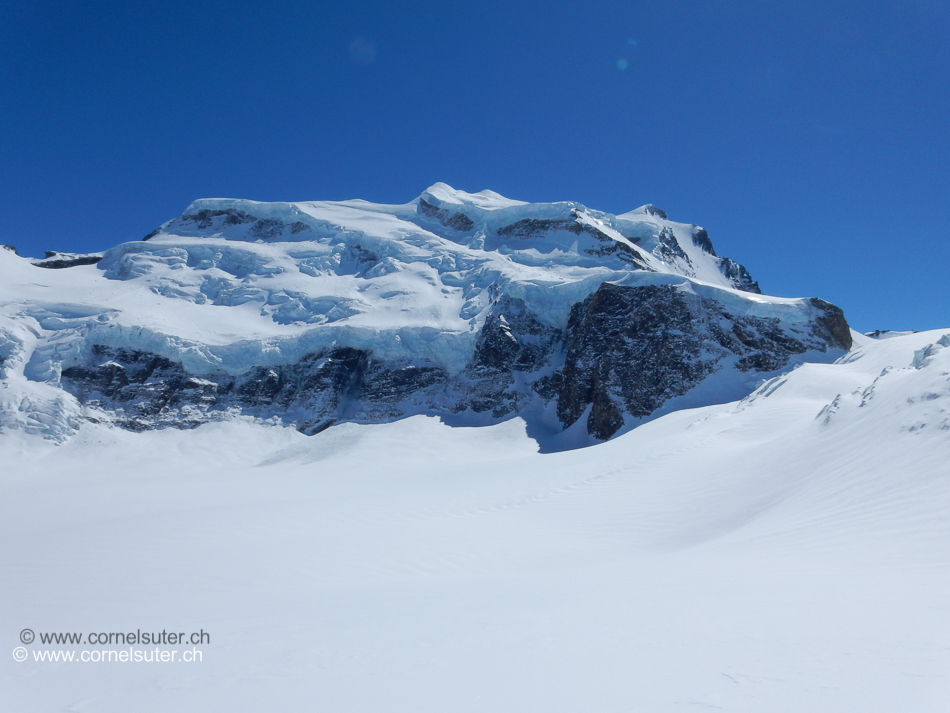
(788, 552)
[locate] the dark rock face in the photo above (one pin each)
(204, 218)
(702, 241)
(10, 248)
(831, 326)
(260, 228)
(456, 221)
(535, 228)
(513, 343)
(142, 388)
(669, 248)
(58, 261)
(738, 275)
(625, 352)
(631, 343)
(146, 391)
(612, 247)
(651, 209)
(887, 333)
(631, 349)
(267, 228)
(528, 228)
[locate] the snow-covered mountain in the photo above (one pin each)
(472, 307)
(784, 552)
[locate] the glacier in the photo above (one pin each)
(468, 306)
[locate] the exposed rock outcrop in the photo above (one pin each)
(57, 261)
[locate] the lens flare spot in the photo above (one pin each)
(622, 64)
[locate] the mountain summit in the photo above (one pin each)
(469, 306)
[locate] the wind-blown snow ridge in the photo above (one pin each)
(461, 303)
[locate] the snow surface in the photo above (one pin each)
(785, 553)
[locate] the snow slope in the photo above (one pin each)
(787, 552)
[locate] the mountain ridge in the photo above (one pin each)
(470, 306)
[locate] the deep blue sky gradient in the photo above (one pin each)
(811, 139)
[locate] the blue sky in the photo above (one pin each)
(811, 139)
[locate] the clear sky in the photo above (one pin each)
(812, 139)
